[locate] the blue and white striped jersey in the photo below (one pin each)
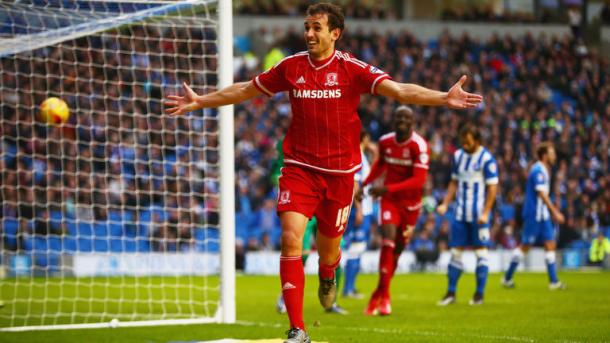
(367, 199)
(538, 180)
(472, 172)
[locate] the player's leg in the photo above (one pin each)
(357, 247)
(390, 219)
(516, 258)
(335, 308)
(348, 251)
(386, 260)
(298, 198)
(330, 256)
(332, 214)
(480, 240)
(310, 230)
(308, 236)
(292, 274)
(481, 274)
(548, 235)
(457, 241)
(528, 237)
(409, 218)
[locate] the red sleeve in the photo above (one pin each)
(415, 182)
(367, 77)
(273, 80)
(377, 169)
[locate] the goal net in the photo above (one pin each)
(114, 218)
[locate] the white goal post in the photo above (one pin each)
(122, 216)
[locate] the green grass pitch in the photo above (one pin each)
(528, 313)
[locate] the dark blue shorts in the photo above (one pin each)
(535, 232)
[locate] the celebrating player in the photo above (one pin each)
(538, 209)
(321, 146)
(404, 157)
(474, 184)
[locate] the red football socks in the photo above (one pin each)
(328, 271)
(386, 266)
(292, 276)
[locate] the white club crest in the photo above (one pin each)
(424, 158)
(331, 80)
(492, 168)
(375, 70)
(284, 198)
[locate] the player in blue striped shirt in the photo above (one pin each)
(474, 184)
(538, 210)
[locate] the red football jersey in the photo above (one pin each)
(325, 130)
(400, 160)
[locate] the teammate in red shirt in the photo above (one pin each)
(321, 147)
(403, 157)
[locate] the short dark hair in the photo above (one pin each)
(543, 149)
(336, 19)
(404, 108)
(470, 128)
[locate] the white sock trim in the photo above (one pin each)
(517, 255)
(550, 257)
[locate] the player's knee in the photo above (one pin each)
(517, 255)
(388, 232)
(456, 255)
(356, 249)
(388, 243)
(291, 241)
(481, 254)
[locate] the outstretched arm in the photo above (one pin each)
(190, 101)
(409, 93)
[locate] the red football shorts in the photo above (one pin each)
(399, 214)
(327, 196)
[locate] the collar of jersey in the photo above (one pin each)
(406, 140)
(330, 59)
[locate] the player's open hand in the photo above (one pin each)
(178, 105)
(459, 99)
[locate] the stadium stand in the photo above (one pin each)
(536, 88)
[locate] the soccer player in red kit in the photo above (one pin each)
(403, 157)
(321, 147)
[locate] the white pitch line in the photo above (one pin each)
(402, 332)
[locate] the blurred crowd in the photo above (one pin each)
(369, 9)
(121, 161)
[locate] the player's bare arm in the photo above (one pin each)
(191, 101)
(451, 189)
(557, 216)
(490, 198)
(409, 93)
